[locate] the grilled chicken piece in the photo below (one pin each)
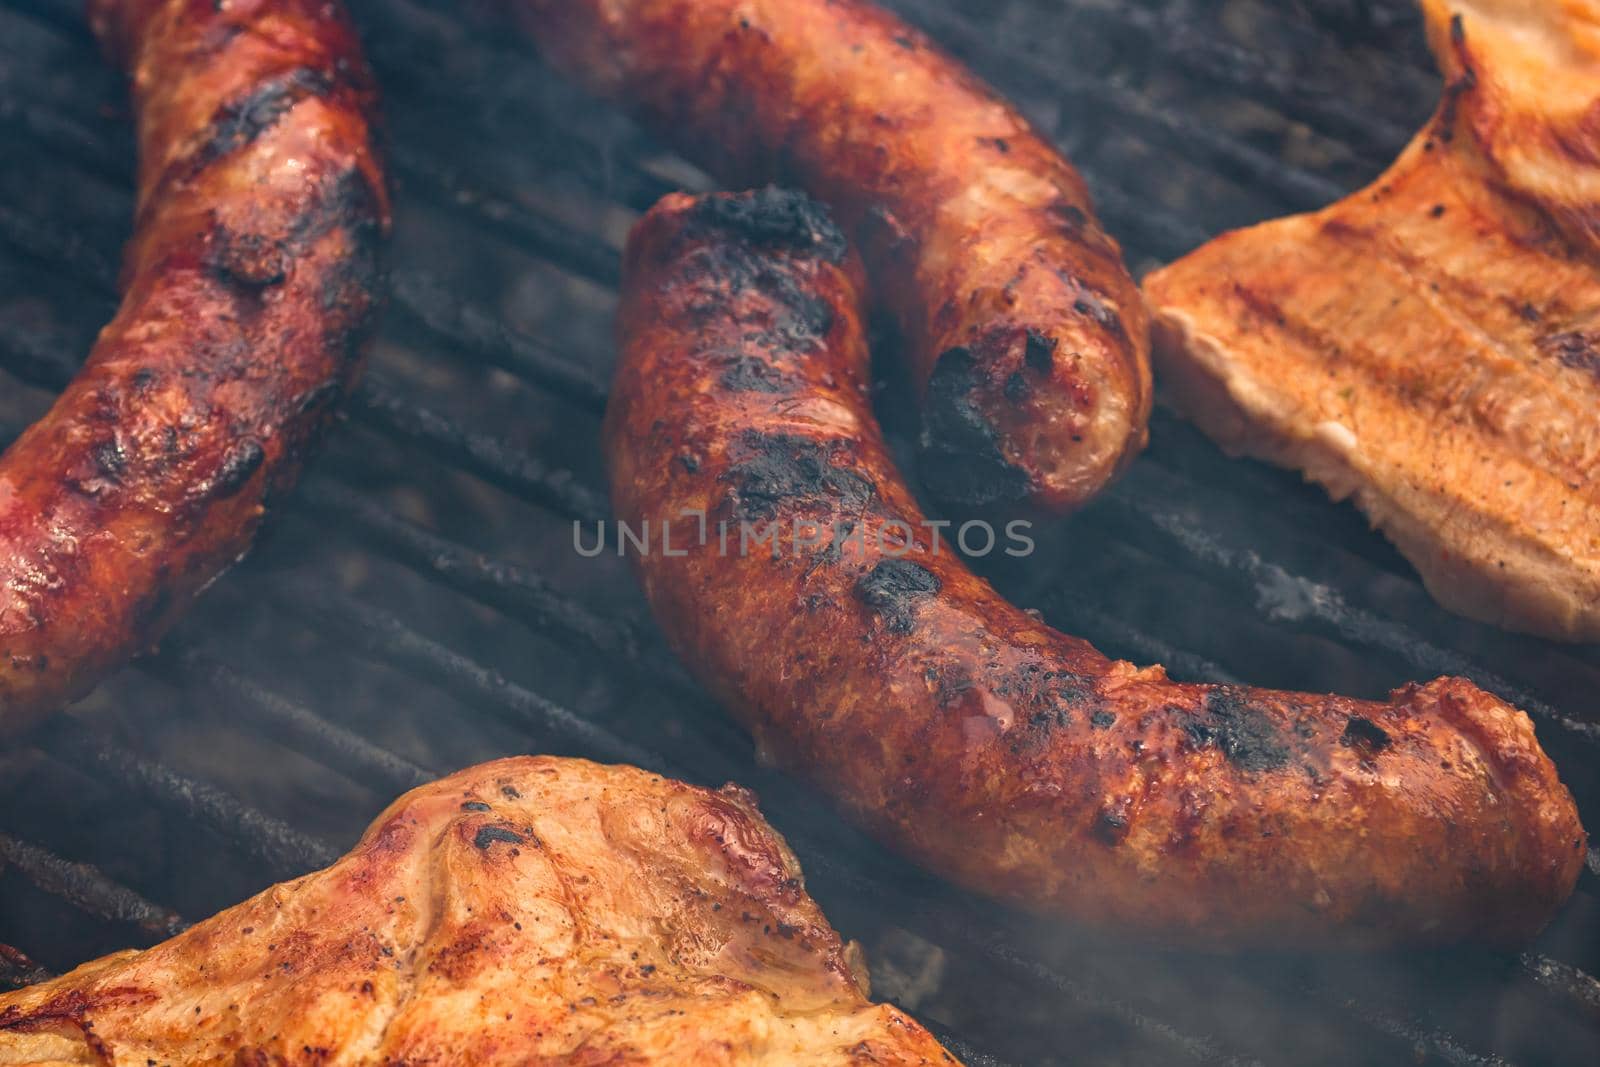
(530, 910)
(1431, 345)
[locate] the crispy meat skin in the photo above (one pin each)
(1023, 328)
(1016, 760)
(249, 285)
(529, 910)
(1430, 346)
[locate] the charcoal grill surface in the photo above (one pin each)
(418, 606)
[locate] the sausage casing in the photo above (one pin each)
(1021, 325)
(1016, 760)
(249, 286)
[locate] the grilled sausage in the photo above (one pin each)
(1016, 760)
(249, 285)
(1022, 327)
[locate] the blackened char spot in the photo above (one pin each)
(1366, 735)
(773, 218)
(1100, 720)
(950, 684)
(1039, 352)
(894, 588)
(348, 201)
(109, 460)
(490, 834)
(240, 463)
(961, 462)
(777, 468)
(239, 122)
(1244, 733)
(1578, 349)
(803, 320)
(792, 318)
(750, 374)
(351, 284)
(1047, 718)
(1017, 389)
(474, 805)
(1111, 825)
(247, 260)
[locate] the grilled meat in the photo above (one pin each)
(529, 910)
(803, 586)
(1430, 346)
(250, 283)
(1023, 330)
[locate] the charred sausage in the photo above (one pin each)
(249, 285)
(1022, 327)
(1016, 760)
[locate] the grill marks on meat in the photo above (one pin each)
(978, 235)
(529, 910)
(1016, 760)
(1430, 346)
(250, 285)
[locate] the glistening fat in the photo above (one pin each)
(250, 284)
(1022, 329)
(1013, 759)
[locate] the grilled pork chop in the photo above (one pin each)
(530, 910)
(1431, 345)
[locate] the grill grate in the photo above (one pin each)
(253, 747)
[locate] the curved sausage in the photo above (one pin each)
(1011, 758)
(249, 285)
(1021, 325)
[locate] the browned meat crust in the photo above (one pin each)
(249, 286)
(526, 911)
(1430, 345)
(1009, 757)
(1023, 329)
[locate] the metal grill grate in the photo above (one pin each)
(417, 605)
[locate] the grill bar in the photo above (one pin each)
(448, 320)
(514, 591)
(279, 847)
(496, 461)
(385, 638)
(86, 888)
(1218, 62)
(17, 970)
(288, 722)
(1293, 186)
